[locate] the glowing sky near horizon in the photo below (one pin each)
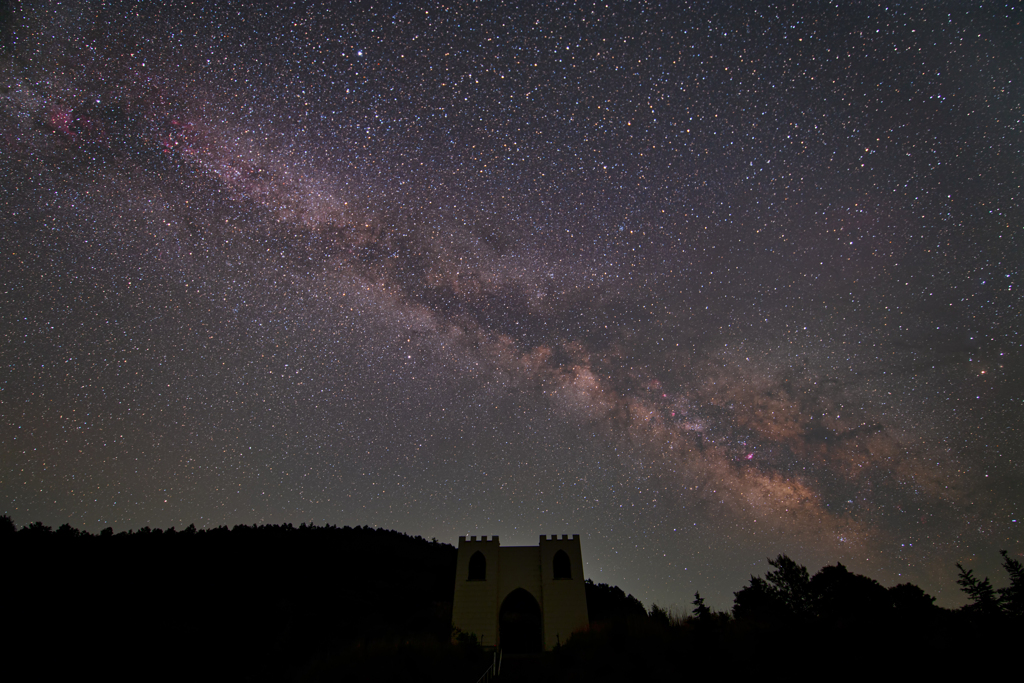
(700, 282)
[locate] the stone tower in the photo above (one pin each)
(521, 598)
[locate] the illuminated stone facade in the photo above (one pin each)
(489, 592)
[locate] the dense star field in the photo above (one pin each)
(703, 283)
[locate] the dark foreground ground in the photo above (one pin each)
(283, 603)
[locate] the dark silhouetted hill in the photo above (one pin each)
(249, 603)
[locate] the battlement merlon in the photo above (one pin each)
(473, 539)
(554, 537)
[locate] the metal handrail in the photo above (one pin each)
(493, 671)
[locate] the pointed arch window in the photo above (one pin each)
(561, 565)
(477, 567)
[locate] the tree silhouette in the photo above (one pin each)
(1011, 598)
(844, 598)
(660, 616)
(980, 591)
(791, 583)
(758, 602)
(700, 610)
(610, 603)
(910, 602)
(783, 593)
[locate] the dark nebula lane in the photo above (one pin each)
(701, 282)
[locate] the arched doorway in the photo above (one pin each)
(520, 623)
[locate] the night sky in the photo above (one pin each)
(702, 283)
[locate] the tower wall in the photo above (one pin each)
(475, 605)
(565, 600)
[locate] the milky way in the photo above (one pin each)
(701, 283)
